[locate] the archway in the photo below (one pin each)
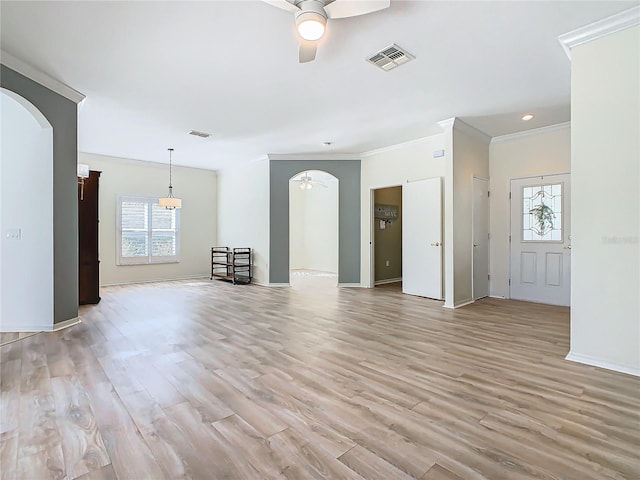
(348, 174)
(313, 228)
(26, 217)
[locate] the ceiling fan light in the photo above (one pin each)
(311, 25)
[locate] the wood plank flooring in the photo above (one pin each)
(10, 337)
(207, 380)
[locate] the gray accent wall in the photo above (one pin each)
(348, 174)
(62, 114)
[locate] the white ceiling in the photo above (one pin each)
(152, 71)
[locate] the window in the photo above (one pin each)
(542, 213)
(147, 232)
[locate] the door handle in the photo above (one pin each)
(436, 244)
(567, 247)
(476, 244)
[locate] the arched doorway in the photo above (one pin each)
(313, 228)
(348, 173)
(26, 217)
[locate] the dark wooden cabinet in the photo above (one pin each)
(89, 263)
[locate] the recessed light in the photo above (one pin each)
(527, 117)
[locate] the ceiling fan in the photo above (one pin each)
(311, 18)
(305, 182)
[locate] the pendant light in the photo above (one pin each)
(170, 202)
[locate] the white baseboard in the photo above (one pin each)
(349, 285)
(501, 297)
(389, 280)
(155, 280)
(66, 324)
(16, 327)
(596, 362)
(464, 303)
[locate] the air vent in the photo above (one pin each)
(199, 134)
(390, 57)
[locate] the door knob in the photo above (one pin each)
(567, 247)
(437, 244)
(476, 244)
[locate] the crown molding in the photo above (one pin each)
(447, 124)
(314, 156)
(134, 161)
(462, 126)
(396, 146)
(531, 133)
(259, 159)
(40, 77)
(599, 29)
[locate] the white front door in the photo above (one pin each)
(422, 238)
(541, 239)
(480, 238)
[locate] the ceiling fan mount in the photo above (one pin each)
(305, 182)
(311, 18)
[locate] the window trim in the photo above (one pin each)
(149, 259)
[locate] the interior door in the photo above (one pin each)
(541, 239)
(422, 238)
(480, 238)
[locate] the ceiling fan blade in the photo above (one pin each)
(307, 51)
(283, 4)
(353, 8)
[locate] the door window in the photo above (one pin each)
(542, 213)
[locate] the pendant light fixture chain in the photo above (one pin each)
(170, 172)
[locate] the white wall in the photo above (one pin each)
(544, 151)
(391, 167)
(243, 213)
(605, 169)
(196, 188)
(470, 159)
(313, 225)
(26, 205)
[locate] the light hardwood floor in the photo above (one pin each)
(208, 380)
(9, 337)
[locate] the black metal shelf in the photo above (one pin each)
(231, 264)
